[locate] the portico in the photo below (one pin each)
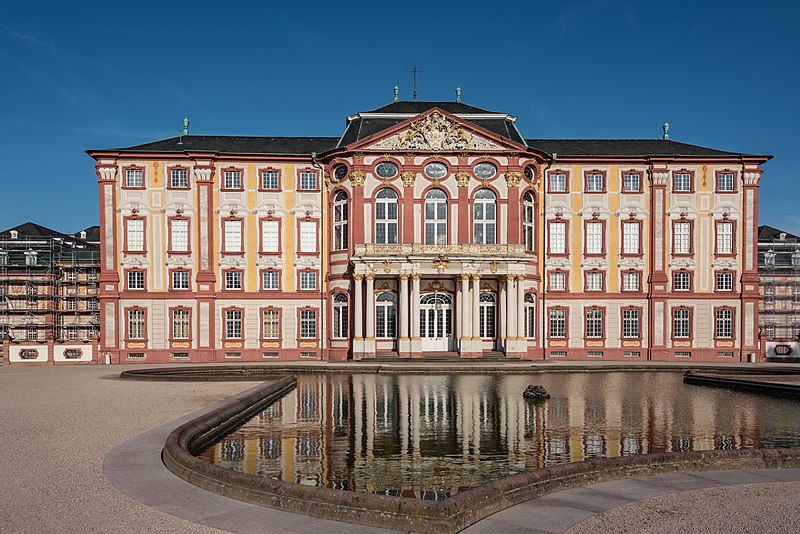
(468, 299)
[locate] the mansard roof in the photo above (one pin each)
(234, 144)
(368, 123)
(768, 234)
(32, 232)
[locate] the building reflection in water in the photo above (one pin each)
(432, 436)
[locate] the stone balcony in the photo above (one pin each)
(455, 251)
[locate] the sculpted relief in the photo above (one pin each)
(435, 132)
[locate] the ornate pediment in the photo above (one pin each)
(435, 132)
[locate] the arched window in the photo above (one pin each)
(527, 220)
(530, 316)
(487, 306)
(386, 217)
(385, 314)
(484, 218)
(436, 217)
(340, 218)
(340, 316)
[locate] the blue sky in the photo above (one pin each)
(79, 75)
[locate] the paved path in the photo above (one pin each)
(81, 454)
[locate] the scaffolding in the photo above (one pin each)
(779, 268)
(48, 288)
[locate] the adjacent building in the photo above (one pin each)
(49, 311)
(779, 313)
(427, 228)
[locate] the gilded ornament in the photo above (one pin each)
(408, 178)
(386, 157)
(416, 276)
(387, 266)
(462, 178)
(384, 286)
(436, 182)
(485, 182)
(476, 277)
(370, 276)
(493, 267)
(357, 178)
(358, 277)
(403, 277)
(513, 179)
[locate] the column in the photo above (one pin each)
(466, 313)
(511, 308)
(415, 305)
(457, 311)
(403, 305)
(370, 316)
(521, 307)
(501, 309)
(358, 315)
(476, 310)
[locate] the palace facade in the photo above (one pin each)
(427, 229)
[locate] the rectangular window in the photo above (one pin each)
(681, 281)
(180, 324)
(630, 323)
(180, 279)
(180, 235)
(725, 281)
(558, 238)
(681, 323)
(233, 235)
(269, 180)
(630, 281)
(271, 327)
(594, 182)
(558, 281)
(72, 333)
(725, 182)
(558, 182)
(725, 354)
(233, 355)
(233, 324)
(136, 356)
(179, 178)
(136, 324)
(72, 304)
(683, 182)
(270, 355)
(594, 323)
(232, 179)
(134, 178)
(594, 281)
(682, 237)
(135, 231)
(725, 238)
(631, 183)
(683, 354)
(270, 236)
(32, 297)
(594, 353)
(180, 355)
(769, 294)
(308, 280)
(308, 181)
(630, 238)
(32, 333)
(724, 327)
(308, 236)
(233, 280)
(594, 238)
(135, 279)
(308, 324)
(70, 275)
(631, 354)
(558, 354)
(270, 280)
(558, 323)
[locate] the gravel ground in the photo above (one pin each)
(747, 508)
(58, 425)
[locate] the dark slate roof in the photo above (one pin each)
(30, 231)
(364, 125)
(768, 234)
(92, 234)
(419, 107)
(230, 144)
(624, 147)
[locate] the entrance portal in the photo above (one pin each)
(436, 322)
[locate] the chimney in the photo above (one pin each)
(665, 127)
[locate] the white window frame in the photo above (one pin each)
(683, 182)
(725, 281)
(682, 281)
(682, 236)
(594, 238)
(136, 319)
(270, 180)
(387, 215)
(308, 237)
(179, 240)
(594, 321)
(724, 237)
(631, 323)
(487, 306)
(723, 327)
(386, 315)
(594, 281)
(340, 221)
(233, 280)
(436, 217)
(726, 182)
(270, 235)
(271, 323)
(558, 182)
(628, 180)
(135, 230)
(630, 238)
(557, 237)
(594, 182)
(681, 323)
(341, 319)
(529, 221)
(557, 325)
(232, 230)
(308, 324)
(233, 324)
(484, 218)
(180, 280)
(270, 280)
(627, 277)
(232, 179)
(558, 281)
(181, 324)
(308, 280)
(530, 316)
(179, 178)
(308, 181)
(136, 280)
(134, 178)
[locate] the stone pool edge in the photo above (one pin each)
(434, 517)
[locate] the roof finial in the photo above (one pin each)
(458, 95)
(186, 126)
(665, 126)
(396, 92)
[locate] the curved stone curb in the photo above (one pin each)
(741, 384)
(439, 517)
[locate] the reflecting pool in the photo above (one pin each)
(431, 436)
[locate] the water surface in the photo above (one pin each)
(431, 436)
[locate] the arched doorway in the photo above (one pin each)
(436, 322)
